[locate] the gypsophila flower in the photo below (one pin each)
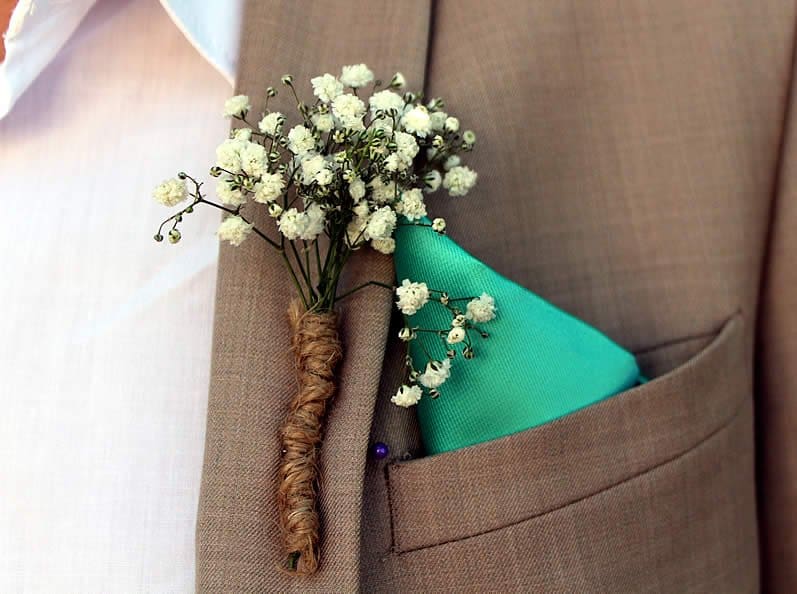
(274, 210)
(437, 372)
(407, 396)
(385, 101)
(171, 192)
(384, 246)
(300, 140)
(459, 180)
(451, 124)
(292, 224)
(234, 229)
(355, 76)
(417, 121)
(314, 169)
(228, 193)
(439, 225)
(315, 218)
(438, 120)
(323, 122)
(236, 106)
(326, 87)
(357, 189)
(459, 321)
(349, 110)
(432, 180)
(228, 155)
(271, 123)
(269, 188)
(382, 192)
(242, 134)
(411, 205)
(381, 223)
(456, 335)
(411, 297)
(481, 309)
(253, 158)
(398, 81)
(451, 162)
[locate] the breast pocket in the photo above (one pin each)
(650, 489)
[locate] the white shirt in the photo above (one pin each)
(104, 334)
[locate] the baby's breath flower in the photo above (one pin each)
(174, 236)
(326, 87)
(456, 335)
(384, 246)
(236, 107)
(407, 396)
(271, 123)
(411, 205)
(432, 180)
(459, 180)
(323, 122)
(274, 210)
(438, 120)
(292, 224)
(234, 229)
(437, 372)
(228, 155)
(451, 124)
(439, 225)
(355, 76)
(458, 321)
(451, 162)
(381, 223)
(398, 81)
(228, 193)
(357, 189)
(417, 121)
(411, 297)
(382, 192)
(242, 134)
(316, 218)
(314, 169)
(469, 137)
(385, 101)
(253, 158)
(481, 309)
(269, 188)
(350, 111)
(300, 140)
(171, 192)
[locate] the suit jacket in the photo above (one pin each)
(637, 168)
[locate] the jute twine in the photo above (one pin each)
(317, 350)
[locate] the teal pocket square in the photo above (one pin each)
(538, 363)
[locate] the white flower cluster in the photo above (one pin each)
(411, 297)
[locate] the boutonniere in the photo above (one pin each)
(343, 178)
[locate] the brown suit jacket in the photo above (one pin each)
(637, 163)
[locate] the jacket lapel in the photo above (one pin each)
(238, 544)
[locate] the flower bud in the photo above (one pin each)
(444, 298)
(215, 171)
(439, 226)
(438, 141)
(174, 236)
(452, 124)
(274, 210)
(469, 137)
(271, 92)
(406, 334)
(468, 353)
(456, 335)
(287, 80)
(458, 321)
(398, 81)
(157, 237)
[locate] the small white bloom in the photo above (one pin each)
(459, 180)
(300, 140)
(315, 221)
(274, 210)
(439, 225)
(397, 162)
(355, 232)
(242, 134)
(313, 170)
(407, 396)
(236, 106)
(171, 192)
(452, 162)
(228, 155)
(382, 192)
(432, 180)
(357, 189)
(452, 124)
(269, 188)
(437, 372)
(481, 309)
(355, 76)
(384, 246)
(381, 223)
(458, 321)
(406, 145)
(398, 81)
(253, 158)
(411, 205)
(271, 123)
(323, 122)
(411, 296)
(385, 101)
(234, 229)
(417, 121)
(292, 224)
(349, 110)
(326, 87)
(438, 120)
(229, 195)
(456, 335)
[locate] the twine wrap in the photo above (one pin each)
(317, 350)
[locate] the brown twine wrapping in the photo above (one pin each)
(317, 350)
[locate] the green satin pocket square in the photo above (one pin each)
(538, 363)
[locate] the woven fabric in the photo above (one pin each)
(557, 364)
